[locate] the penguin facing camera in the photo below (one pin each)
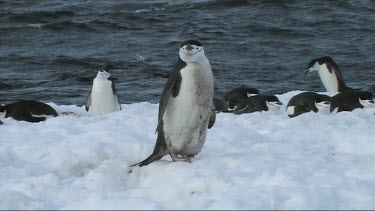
(186, 107)
(103, 97)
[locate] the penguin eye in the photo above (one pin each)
(197, 48)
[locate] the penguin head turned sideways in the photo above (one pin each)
(191, 51)
(102, 73)
(316, 64)
(366, 99)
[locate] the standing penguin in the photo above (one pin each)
(103, 97)
(28, 110)
(329, 73)
(186, 107)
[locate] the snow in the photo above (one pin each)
(251, 161)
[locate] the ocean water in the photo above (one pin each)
(50, 50)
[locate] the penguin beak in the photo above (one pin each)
(311, 69)
(276, 103)
(189, 48)
(324, 104)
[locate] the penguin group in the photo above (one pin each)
(243, 99)
(188, 108)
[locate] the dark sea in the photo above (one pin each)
(50, 50)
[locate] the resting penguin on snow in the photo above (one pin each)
(234, 96)
(259, 102)
(306, 102)
(350, 100)
(103, 97)
(186, 106)
(329, 73)
(28, 110)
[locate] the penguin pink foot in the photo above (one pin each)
(184, 158)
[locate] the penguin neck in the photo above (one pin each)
(329, 79)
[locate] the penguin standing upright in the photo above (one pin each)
(329, 73)
(103, 97)
(186, 107)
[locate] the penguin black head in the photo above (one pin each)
(2, 108)
(315, 64)
(191, 51)
(234, 96)
(323, 101)
(102, 73)
(366, 99)
(252, 92)
(273, 101)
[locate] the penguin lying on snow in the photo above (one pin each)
(306, 102)
(103, 97)
(220, 105)
(28, 110)
(329, 73)
(234, 96)
(186, 107)
(259, 102)
(350, 100)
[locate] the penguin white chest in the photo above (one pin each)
(187, 115)
(329, 80)
(103, 100)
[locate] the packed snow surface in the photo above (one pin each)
(251, 161)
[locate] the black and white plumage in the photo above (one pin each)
(350, 100)
(103, 97)
(329, 73)
(307, 102)
(258, 102)
(28, 110)
(234, 96)
(186, 108)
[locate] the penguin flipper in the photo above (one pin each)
(212, 119)
(114, 91)
(171, 89)
(28, 117)
(88, 101)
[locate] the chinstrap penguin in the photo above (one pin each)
(103, 97)
(329, 73)
(28, 110)
(258, 102)
(350, 100)
(186, 107)
(234, 96)
(306, 102)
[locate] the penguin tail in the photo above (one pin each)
(153, 157)
(159, 151)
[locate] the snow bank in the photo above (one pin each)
(250, 161)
